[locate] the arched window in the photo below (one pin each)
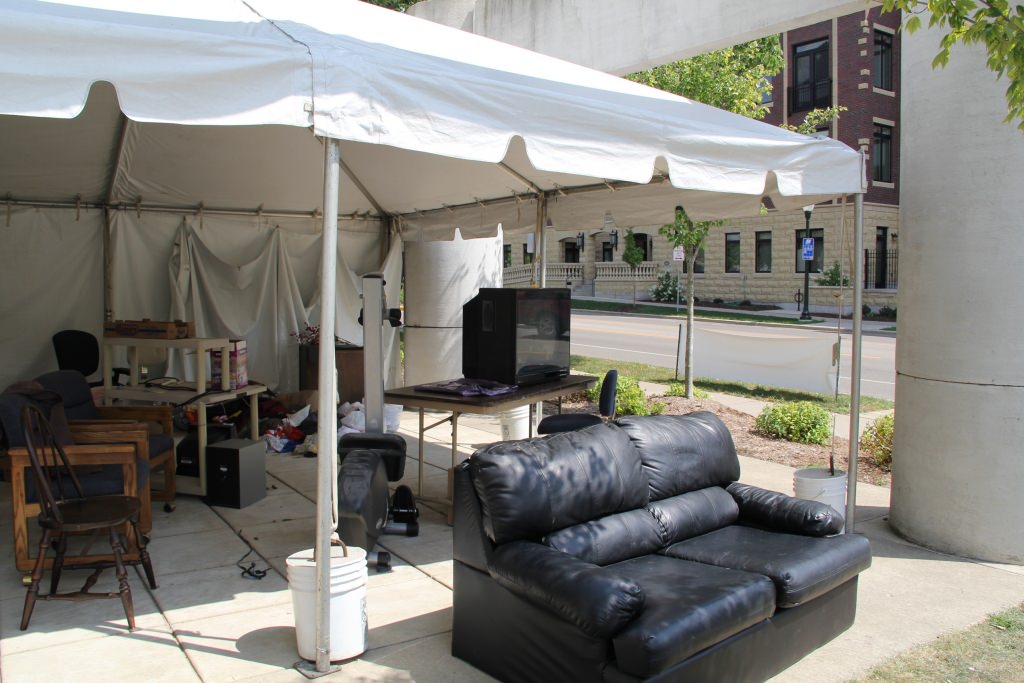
(643, 241)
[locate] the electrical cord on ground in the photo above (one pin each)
(250, 572)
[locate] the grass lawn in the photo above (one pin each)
(990, 651)
(671, 312)
(652, 373)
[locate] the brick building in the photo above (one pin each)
(851, 61)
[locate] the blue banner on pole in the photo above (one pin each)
(808, 249)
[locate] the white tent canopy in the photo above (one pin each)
(206, 144)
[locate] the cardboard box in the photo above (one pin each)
(238, 362)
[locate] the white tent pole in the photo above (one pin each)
(327, 445)
(855, 370)
(542, 239)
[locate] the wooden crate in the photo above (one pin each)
(150, 329)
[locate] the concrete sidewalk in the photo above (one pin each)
(207, 623)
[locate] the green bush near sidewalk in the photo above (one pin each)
(802, 421)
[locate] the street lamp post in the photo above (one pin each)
(806, 313)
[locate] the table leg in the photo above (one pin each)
(108, 363)
(455, 442)
(254, 417)
(529, 428)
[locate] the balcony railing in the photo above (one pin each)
(809, 96)
(563, 272)
(617, 270)
(517, 275)
(881, 268)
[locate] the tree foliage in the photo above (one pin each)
(996, 24)
(397, 5)
(735, 79)
(690, 235)
(632, 256)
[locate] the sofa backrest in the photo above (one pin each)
(529, 488)
(682, 453)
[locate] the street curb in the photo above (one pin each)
(784, 325)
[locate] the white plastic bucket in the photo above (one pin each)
(515, 423)
(816, 483)
(347, 602)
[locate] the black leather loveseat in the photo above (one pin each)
(626, 551)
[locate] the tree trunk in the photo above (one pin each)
(688, 358)
(634, 289)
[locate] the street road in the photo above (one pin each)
(653, 341)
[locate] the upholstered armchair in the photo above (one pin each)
(100, 424)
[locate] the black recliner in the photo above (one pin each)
(570, 422)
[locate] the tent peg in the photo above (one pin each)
(609, 186)
(78, 207)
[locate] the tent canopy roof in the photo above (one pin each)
(430, 119)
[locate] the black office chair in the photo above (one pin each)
(78, 350)
(568, 422)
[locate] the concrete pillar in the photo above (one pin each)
(439, 278)
(958, 465)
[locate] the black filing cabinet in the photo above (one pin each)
(236, 473)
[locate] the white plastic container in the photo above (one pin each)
(515, 423)
(816, 483)
(347, 602)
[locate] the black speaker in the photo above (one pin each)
(236, 473)
(187, 451)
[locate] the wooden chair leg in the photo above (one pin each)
(37, 575)
(58, 562)
(122, 578)
(147, 564)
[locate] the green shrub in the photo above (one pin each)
(833, 277)
(800, 421)
(679, 389)
(629, 398)
(665, 291)
(887, 312)
(865, 310)
(877, 441)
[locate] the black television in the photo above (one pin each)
(516, 336)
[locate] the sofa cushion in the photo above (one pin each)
(74, 389)
(610, 539)
(802, 567)
(694, 513)
(683, 453)
(689, 607)
(532, 487)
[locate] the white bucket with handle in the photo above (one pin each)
(817, 483)
(347, 602)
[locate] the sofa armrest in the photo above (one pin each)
(597, 600)
(779, 512)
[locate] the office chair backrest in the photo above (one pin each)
(77, 350)
(609, 387)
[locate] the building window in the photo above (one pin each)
(698, 263)
(881, 154)
(818, 235)
(812, 86)
(607, 254)
(732, 252)
(763, 252)
(767, 88)
(643, 241)
(527, 256)
(506, 255)
(572, 252)
(882, 67)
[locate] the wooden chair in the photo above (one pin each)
(87, 419)
(64, 509)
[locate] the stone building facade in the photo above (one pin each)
(851, 61)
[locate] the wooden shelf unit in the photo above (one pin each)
(183, 392)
